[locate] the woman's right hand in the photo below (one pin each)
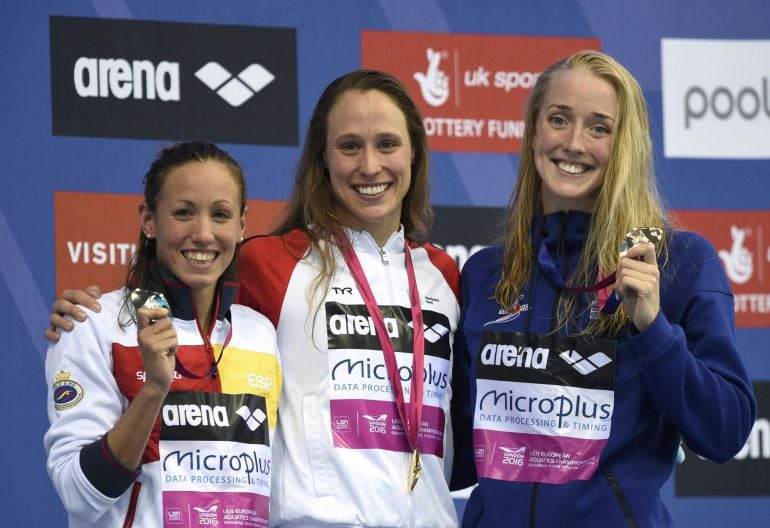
(67, 305)
(157, 340)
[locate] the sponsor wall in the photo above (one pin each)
(92, 89)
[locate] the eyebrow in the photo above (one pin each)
(560, 106)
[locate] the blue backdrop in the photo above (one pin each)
(36, 163)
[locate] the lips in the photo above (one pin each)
(200, 257)
(572, 168)
(371, 190)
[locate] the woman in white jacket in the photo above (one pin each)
(154, 421)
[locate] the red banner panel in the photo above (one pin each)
(742, 239)
(470, 89)
(96, 234)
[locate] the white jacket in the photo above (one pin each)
(94, 370)
(324, 473)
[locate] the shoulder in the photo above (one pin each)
(485, 260)
(693, 261)
(252, 317)
(292, 245)
(441, 260)
(480, 266)
(439, 257)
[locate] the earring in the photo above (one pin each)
(240, 240)
(148, 236)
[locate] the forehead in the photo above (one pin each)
(582, 90)
(197, 180)
(372, 111)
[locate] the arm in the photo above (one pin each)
(689, 356)
(158, 343)
(93, 447)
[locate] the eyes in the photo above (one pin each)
(219, 214)
(353, 146)
(597, 127)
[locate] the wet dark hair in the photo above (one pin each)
(168, 159)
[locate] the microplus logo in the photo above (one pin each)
(716, 98)
(133, 79)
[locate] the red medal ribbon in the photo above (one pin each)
(409, 418)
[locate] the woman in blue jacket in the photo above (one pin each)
(597, 336)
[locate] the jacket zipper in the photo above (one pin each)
(619, 497)
(561, 248)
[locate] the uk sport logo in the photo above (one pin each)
(234, 89)
(253, 419)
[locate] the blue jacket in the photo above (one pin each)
(682, 377)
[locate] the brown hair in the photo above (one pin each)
(312, 206)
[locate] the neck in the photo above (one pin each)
(204, 303)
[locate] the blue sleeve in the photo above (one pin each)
(689, 355)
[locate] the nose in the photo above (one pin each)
(574, 140)
(370, 162)
(203, 232)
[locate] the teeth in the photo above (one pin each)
(572, 169)
(371, 190)
(199, 257)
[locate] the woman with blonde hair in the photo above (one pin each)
(597, 335)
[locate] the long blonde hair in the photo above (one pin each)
(628, 197)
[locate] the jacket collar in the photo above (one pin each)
(180, 297)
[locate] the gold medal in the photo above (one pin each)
(415, 469)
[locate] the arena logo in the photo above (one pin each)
(716, 98)
(136, 73)
(119, 78)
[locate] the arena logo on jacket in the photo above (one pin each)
(543, 407)
(215, 460)
(363, 412)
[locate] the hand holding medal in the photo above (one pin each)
(637, 279)
(156, 337)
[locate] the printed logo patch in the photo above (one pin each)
(585, 365)
(253, 419)
(66, 392)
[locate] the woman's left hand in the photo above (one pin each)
(637, 283)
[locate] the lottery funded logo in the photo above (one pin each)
(470, 89)
(744, 250)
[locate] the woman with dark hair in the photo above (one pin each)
(152, 421)
(365, 312)
(581, 393)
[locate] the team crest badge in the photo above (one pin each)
(66, 392)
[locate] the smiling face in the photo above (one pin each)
(573, 139)
(196, 224)
(369, 156)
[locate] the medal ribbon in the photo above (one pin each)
(546, 264)
(411, 417)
